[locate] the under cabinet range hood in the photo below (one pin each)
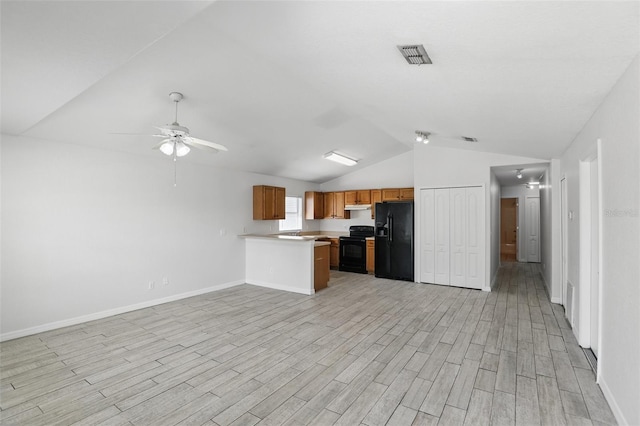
(357, 207)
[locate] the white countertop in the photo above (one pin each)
(287, 237)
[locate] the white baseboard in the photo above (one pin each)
(281, 287)
(111, 312)
(615, 408)
(557, 300)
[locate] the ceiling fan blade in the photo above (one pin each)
(128, 134)
(213, 145)
(201, 147)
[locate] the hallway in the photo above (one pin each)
(365, 350)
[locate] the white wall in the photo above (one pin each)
(395, 172)
(616, 123)
(494, 195)
(551, 231)
(443, 167)
(84, 231)
(520, 192)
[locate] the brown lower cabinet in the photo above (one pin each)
(321, 267)
(334, 251)
(371, 256)
(334, 256)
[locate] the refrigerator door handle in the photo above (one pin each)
(390, 222)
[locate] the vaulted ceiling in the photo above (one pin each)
(280, 83)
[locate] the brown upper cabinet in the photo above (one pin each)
(376, 197)
(268, 202)
(359, 197)
(334, 206)
(313, 205)
(397, 194)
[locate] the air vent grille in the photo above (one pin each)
(415, 54)
(468, 139)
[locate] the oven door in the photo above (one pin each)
(353, 255)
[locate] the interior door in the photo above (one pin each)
(458, 213)
(532, 219)
(474, 237)
(509, 229)
(427, 240)
(441, 235)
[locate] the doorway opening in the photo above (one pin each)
(509, 230)
(590, 255)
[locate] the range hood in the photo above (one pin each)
(357, 207)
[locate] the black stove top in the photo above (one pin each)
(359, 232)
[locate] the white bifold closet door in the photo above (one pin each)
(427, 237)
(452, 240)
(442, 237)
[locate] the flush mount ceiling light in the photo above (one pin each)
(519, 173)
(339, 158)
(422, 136)
(415, 54)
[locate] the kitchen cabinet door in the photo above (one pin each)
(397, 194)
(376, 197)
(313, 205)
(268, 202)
(338, 206)
(329, 201)
(334, 206)
(359, 197)
(321, 267)
(371, 256)
(334, 254)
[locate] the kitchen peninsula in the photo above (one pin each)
(296, 263)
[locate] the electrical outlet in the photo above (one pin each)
(223, 232)
(165, 281)
(152, 285)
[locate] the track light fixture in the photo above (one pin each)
(422, 136)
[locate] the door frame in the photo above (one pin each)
(564, 223)
(517, 200)
(529, 222)
(587, 224)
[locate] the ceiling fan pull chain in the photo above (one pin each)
(175, 167)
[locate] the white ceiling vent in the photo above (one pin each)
(415, 54)
(468, 139)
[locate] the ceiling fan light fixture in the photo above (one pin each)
(182, 149)
(167, 148)
(339, 158)
(519, 173)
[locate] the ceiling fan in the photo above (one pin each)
(176, 138)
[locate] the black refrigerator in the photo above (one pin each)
(394, 240)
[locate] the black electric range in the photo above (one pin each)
(353, 249)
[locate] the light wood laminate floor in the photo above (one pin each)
(363, 351)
